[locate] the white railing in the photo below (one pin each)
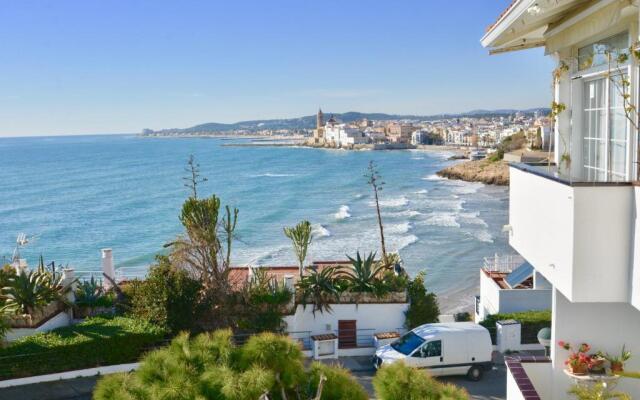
(503, 263)
(122, 274)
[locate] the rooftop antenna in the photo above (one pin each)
(21, 241)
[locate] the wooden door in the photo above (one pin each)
(347, 334)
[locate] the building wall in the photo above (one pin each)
(604, 326)
(380, 317)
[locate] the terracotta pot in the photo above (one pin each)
(617, 367)
(579, 369)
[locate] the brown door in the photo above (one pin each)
(347, 338)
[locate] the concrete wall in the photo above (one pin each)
(379, 317)
(576, 237)
(515, 300)
(60, 320)
(513, 392)
(540, 376)
(604, 326)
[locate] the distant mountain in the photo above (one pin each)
(309, 121)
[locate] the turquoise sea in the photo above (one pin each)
(76, 195)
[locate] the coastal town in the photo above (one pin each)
(489, 255)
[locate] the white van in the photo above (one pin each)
(457, 348)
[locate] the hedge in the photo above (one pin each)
(531, 322)
(94, 342)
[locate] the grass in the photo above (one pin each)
(94, 342)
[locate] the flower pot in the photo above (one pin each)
(617, 367)
(578, 369)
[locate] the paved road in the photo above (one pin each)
(491, 387)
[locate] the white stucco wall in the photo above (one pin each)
(604, 326)
(515, 300)
(379, 317)
(540, 376)
(60, 320)
(635, 273)
(513, 392)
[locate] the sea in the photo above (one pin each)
(74, 195)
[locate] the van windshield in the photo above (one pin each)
(407, 343)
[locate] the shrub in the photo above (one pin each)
(30, 291)
(262, 304)
(93, 342)
(531, 322)
(399, 382)
(210, 366)
(339, 384)
(423, 307)
(462, 316)
(91, 294)
(168, 297)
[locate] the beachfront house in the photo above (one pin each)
(355, 321)
(509, 284)
(576, 221)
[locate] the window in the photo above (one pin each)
(605, 127)
(407, 343)
(431, 349)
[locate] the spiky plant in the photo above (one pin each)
(91, 294)
(28, 292)
(320, 287)
(301, 237)
(364, 274)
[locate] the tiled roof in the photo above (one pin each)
(502, 14)
(387, 335)
(326, 336)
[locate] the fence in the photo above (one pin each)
(505, 263)
(122, 274)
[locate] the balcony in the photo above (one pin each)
(577, 233)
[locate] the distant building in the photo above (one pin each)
(318, 133)
(341, 135)
(399, 133)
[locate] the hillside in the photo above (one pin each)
(309, 121)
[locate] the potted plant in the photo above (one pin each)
(578, 362)
(597, 363)
(617, 362)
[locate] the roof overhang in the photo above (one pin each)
(526, 23)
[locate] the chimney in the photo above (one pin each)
(107, 268)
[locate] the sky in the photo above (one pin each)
(118, 66)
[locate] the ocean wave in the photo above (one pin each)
(398, 243)
(343, 212)
(401, 214)
(482, 235)
(421, 191)
(398, 229)
(433, 177)
(319, 231)
(417, 158)
(467, 188)
(454, 204)
(443, 219)
(393, 202)
(472, 218)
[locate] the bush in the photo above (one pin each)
(531, 322)
(399, 382)
(462, 316)
(93, 342)
(210, 366)
(339, 384)
(167, 297)
(423, 307)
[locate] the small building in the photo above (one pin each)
(509, 284)
(355, 318)
(342, 135)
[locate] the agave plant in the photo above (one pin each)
(28, 292)
(364, 274)
(320, 287)
(91, 294)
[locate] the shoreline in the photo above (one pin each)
(483, 171)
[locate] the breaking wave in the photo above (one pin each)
(343, 212)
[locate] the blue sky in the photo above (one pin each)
(72, 67)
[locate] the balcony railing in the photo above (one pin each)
(571, 176)
(503, 263)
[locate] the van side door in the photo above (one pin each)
(430, 356)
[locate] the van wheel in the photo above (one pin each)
(475, 373)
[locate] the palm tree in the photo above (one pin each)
(301, 237)
(364, 276)
(321, 286)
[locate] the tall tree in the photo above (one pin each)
(375, 180)
(301, 237)
(193, 179)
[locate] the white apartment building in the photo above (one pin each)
(577, 222)
(343, 135)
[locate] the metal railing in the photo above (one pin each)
(503, 263)
(122, 274)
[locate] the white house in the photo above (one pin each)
(577, 223)
(509, 284)
(354, 320)
(343, 135)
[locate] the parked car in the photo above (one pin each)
(457, 348)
